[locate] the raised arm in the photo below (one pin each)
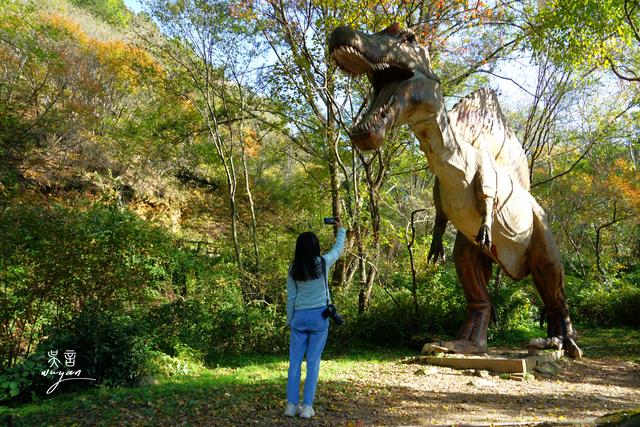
(332, 256)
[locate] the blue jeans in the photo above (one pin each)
(309, 332)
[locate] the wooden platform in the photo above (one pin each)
(495, 362)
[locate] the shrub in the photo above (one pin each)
(206, 330)
(22, 381)
(55, 260)
(109, 348)
(604, 304)
(390, 319)
(516, 313)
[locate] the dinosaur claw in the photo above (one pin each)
(484, 237)
(436, 252)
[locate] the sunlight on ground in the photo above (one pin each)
(386, 388)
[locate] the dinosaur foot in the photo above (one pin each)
(456, 346)
(557, 343)
(554, 343)
(463, 346)
(572, 348)
(559, 327)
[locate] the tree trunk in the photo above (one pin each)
(414, 283)
(374, 213)
(338, 269)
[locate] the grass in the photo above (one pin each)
(237, 386)
(221, 394)
(619, 342)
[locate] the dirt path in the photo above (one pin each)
(409, 393)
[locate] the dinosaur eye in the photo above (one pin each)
(407, 36)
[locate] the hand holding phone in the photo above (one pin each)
(335, 221)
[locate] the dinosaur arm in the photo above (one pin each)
(436, 251)
(485, 187)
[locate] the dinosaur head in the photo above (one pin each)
(400, 73)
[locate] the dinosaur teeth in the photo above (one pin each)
(379, 66)
(347, 51)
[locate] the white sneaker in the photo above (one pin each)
(307, 412)
(292, 410)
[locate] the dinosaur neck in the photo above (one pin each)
(438, 142)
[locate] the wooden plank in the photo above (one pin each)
(498, 365)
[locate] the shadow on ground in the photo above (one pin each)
(196, 402)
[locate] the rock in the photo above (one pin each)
(420, 372)
(625, 418)
(431, 348)
(548, 368)
(481, 373)
(147, 380)
(482, 383)
(515, 376)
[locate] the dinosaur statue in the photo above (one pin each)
(482, 174)
(468, 120)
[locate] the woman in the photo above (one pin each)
(307, 297)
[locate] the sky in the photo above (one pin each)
(510, 95)
(133, 5)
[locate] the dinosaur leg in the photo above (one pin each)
(547, 271)
(474, 271)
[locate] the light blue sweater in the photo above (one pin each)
(311, 293)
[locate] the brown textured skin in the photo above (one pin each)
(482, 178)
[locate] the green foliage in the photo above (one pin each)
(86, 116)
(604, 304)
(23, 381)
(202, 331)
(56, 260)
(112, 11)
(109, 347)
(516, 312)
(390, 320)
(588, 34)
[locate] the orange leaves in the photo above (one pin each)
(251, 142)
(624, 181)
(242, 9)
(64, 27)
(127, 63)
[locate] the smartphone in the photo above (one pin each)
(330, 220)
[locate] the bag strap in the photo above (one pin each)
(324, 276)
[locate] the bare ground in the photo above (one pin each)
(410, 393)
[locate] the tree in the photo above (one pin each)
(319, 99)
(591, 33)
(192, 46)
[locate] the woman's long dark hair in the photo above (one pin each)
(304, 262)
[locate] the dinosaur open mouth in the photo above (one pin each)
(385, 79)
